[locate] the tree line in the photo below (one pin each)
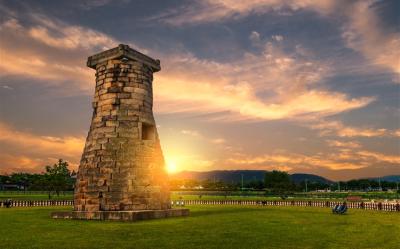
(58, 178)
(280, 182)
(55, 179)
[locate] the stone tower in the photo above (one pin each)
(122, 166)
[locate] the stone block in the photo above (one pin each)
(112, 123)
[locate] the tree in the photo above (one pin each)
(57, 177)
(278, 181)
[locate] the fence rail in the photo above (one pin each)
(357, 205)
(31, 192)
(38, 203)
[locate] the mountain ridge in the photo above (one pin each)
(235, 176)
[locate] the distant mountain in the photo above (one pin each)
(228, 176)
(392, 178)
(297, 178)
(235, 176)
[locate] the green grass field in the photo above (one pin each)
(207, 227)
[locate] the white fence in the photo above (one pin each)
(359, 205)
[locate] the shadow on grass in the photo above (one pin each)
(305, 211)
(218, 211)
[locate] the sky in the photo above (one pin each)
(304, 86)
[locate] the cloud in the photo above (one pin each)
(33, 150)
(341, 144)
(218, 141)
(337, 160)
(192, 133)
(277, 38)
(7, 87)
(379, 157)
(92, 4)
(364, 33)
(329, 128)
(270, 85)
(219, 10)
(51, 51)
(62, 36)
(197, 134)
(362, 30)
(255, 38)
(294, 161)
(20, 163)
(273, 85)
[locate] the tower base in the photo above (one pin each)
(121, 215)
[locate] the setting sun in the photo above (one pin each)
(171, 166)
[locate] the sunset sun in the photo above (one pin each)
(171, 166)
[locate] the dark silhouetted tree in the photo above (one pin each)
(278, 181)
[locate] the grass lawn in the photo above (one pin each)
(207, 227)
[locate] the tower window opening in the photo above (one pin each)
(147, 131)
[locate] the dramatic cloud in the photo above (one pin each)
(33, 151)
(364, 33)
(234, 89)
(379, 157)
(275, 85)
(294, 160)
(51, 51)
(210, 10)
(62, 36)
(21, 163)
(362, 30)
(337, 160)
(270, 86)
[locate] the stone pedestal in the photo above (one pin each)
(122, 215)
(122, 173)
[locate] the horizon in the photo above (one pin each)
(170, 174)
(296, 86)
(292, 173)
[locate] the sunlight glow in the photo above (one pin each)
(171, 166)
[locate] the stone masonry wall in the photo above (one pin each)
(122, 166)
